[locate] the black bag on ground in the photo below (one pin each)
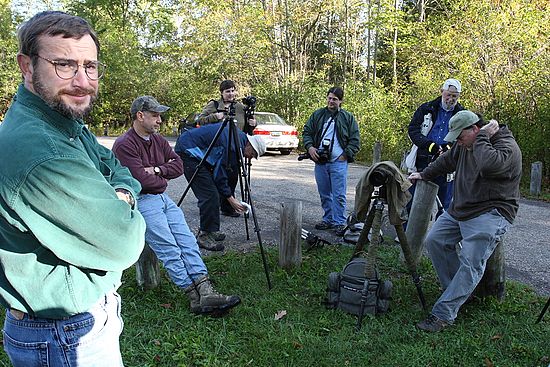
(347, 288)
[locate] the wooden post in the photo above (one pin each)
(147, 269)
(376, 152)
(420, 216)
(536, 178)
(494, 277)
(290, 240)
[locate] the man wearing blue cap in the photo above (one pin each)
(487, 162)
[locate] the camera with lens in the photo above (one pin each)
(323, 152)
(250, 102)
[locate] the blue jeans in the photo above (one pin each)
(331, 181)
(89, 339)
(459, 251)
(169, 237)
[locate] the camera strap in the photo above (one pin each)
(325, 131)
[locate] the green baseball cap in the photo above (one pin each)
(460, 121)
(147, 103)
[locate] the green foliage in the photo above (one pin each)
(288, 53)
(9, 76)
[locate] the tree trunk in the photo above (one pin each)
(147, 269)
(290, 240)
(494, 277)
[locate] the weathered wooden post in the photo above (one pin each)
(376, 152)
(290, 240)
(147, 269)
(494, 278)
(536, 178)
(420, 215)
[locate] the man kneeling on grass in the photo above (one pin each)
(152, 162)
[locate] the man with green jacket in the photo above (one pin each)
(331, 137)
(69, 225)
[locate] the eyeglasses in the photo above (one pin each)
(67, 69)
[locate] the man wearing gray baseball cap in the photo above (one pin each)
(153, 162)
(487, 161)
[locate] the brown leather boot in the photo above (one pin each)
(204, 299)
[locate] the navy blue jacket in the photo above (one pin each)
(423, 157)
(195, 142)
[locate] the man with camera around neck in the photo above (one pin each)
(331, 137)
(152, 162)
(217, 111)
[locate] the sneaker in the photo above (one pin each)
(233, 214)
(323, 225)
(339, 230)
(217, 236)
(208, 242)
(432, 324)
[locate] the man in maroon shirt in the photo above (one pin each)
(152, 162)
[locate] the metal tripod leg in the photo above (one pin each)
(544, 309)
(411, 264)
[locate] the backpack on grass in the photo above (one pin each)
(347, 288)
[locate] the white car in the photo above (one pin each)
(277, 134)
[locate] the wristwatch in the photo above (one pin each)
(157, 171)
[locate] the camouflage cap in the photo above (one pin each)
(147, 103)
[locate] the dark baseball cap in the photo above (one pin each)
(147, 103)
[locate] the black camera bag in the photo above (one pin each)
(345, 290)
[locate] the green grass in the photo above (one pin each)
(160, 331)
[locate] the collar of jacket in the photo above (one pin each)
(68, 126)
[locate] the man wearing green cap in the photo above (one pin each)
(487, 161)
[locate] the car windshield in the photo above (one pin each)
(269, 119)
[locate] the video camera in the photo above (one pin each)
(323, 152)
(250, 102)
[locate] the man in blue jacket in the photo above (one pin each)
(212, 179)
(427, 130)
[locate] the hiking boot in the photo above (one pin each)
(233, 214)
(432, 324)
(205, 300)
(323, 225)
(208, 242)
(339, 230)
(216, 236)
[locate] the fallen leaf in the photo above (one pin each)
(297, 345)
(488, 362)
(496, 337)
(166, 305)
(280, 314)
(156, 342)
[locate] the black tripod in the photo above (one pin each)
(244, 180)
(374, 221)
(544, 309)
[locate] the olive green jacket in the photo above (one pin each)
(347, 131)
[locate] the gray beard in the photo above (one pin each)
(55, 102)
